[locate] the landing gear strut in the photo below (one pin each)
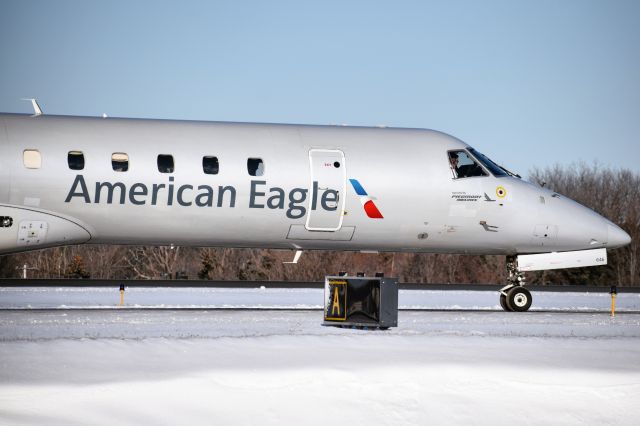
(514, 297)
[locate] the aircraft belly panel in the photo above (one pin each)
(299, 232)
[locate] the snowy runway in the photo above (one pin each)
(38, 325)
(170, 366)
(291, 298)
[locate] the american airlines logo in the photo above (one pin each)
(366, 200)
(169, 193)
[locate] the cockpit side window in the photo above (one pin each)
(495, 169)
(464, 166)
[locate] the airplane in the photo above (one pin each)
(75, 180)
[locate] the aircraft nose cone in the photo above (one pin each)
(616, 237)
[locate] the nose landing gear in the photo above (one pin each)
(514, 297)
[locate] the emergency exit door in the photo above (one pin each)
(327, 190)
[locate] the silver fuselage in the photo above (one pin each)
(405, 173)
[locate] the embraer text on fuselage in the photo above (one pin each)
(260, 197)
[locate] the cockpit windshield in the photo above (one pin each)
(495, 169)
(464, 166)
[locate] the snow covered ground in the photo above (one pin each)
(302, 298)
(561, 365)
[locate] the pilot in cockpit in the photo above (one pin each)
(453, 160)
(464, 166)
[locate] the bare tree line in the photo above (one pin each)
(612, 193)
(140, 262)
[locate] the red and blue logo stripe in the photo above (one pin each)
(370, 207)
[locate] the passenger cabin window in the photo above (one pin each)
(255, 167)
(120, 161)
(165, 163)
(75, 159)
(464, 166)
(31, 159)
(210, 165)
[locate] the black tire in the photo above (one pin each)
(519, 299)
(503, 303)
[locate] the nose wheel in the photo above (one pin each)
(514, 297)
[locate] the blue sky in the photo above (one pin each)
(528, 83)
